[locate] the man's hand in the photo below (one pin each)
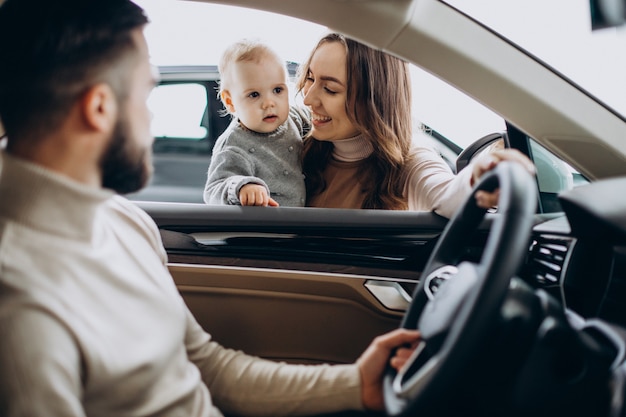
(489, 161)
(373, 363)
(255, 195)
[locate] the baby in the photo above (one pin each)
(256, 161)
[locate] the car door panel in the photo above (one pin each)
(295, 316)
(367, 242)
(292, 283)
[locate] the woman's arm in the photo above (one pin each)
(432, 186)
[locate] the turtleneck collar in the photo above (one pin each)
(352, 149)
(47, 201)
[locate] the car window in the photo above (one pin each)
(440, 107)
(179, 35)
(188, 117)
(179, 111)
(553, 176)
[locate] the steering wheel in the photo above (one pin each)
(457, 302)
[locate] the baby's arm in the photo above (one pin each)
(229, 171)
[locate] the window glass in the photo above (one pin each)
(448, 111)
(178, 111)
(178, 35)
(196, 33)
(553, 176)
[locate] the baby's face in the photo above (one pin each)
(259, 94)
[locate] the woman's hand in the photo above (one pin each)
(489, 161)
(374, 360)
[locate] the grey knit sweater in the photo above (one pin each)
(241, 157)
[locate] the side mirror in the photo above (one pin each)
(487, 143)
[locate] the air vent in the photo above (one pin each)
(546, 260)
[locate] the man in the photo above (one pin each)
(91, 322)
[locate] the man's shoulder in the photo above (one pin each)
(133, 215)
(124, 205)
(129, 211)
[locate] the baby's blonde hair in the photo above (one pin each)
(249, 50)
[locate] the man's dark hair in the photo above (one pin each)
(53, 51)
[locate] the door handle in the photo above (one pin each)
(390, 294)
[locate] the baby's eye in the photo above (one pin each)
(253, 94)
(278, 90)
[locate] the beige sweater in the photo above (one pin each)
(91, 322)
(430, 184)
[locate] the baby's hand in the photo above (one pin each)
(255, 195)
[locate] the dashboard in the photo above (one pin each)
(579, 256)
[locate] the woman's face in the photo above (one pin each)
(325, 93)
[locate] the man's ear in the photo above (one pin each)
(99, 108)
(227, 100)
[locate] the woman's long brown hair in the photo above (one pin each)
(379, 105)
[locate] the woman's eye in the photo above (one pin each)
(329, 91)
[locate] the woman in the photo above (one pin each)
(359, 153)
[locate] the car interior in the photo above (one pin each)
(521, 307)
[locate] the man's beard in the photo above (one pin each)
(125, 168)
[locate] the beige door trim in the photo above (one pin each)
(296, 316)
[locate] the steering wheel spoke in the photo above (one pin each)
(441, 310)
